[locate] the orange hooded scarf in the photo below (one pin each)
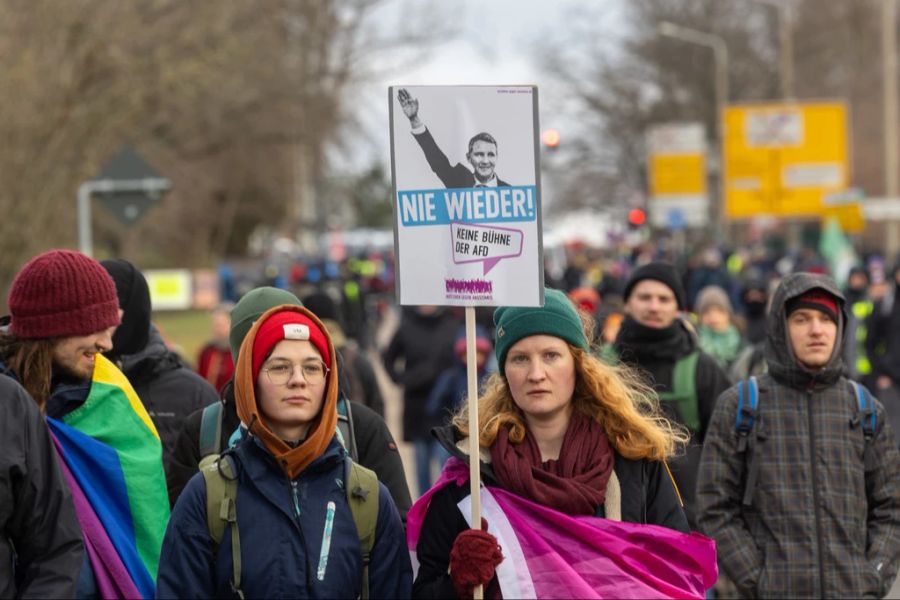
(292, 460)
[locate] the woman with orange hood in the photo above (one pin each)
(298, 537)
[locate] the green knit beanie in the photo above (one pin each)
(558, 317)
(250, 307)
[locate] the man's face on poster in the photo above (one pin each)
(483, 158)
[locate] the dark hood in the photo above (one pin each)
(152, 360)
(131, 335)
(780, 357)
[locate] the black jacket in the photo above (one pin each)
(648, 496)
(375, 445)
(168, 390)
(425, 344)
(41, 549)
(655, 353)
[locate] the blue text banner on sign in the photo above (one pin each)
(473, 205)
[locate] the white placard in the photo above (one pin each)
(467, 209)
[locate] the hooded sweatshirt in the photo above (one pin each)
(821, 523)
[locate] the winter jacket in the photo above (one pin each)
(820, 523)
(654, 353)
(168, 390)
(375, 445)
(282, 526)
(41, 549)
(648, 496)
(425, 343)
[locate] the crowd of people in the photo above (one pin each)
(722, 426)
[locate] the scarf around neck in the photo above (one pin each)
(637, 342)
(574, 484)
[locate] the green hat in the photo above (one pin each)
(250, 307)
(558, 317)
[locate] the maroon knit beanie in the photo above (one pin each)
(62, 293)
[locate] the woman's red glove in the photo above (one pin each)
(473, 558)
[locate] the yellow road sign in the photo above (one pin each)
(782, 158)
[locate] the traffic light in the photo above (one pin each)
(550, 138)
(637, 217)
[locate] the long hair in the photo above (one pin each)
(613, 395)
(32, 362)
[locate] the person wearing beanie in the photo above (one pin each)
(654, 339)
(362, 385)
(599, 451)
(373, 441)
(823, 458)
(64, 310)
(168, 389)
(719, 336)
(291, 505)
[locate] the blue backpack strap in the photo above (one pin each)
(868, 418)
(745, 419)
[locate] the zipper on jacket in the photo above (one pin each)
(815, 489)
(296, 499)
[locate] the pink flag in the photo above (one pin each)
(549, 554)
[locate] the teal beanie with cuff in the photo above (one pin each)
(558, 317)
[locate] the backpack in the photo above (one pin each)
(684, 385)
(220, 475)
(748, 413)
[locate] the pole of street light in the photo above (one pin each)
(720, 56)
(786, 45)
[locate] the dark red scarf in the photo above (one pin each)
(574, 484)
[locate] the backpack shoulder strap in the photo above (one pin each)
(746, 417)
(220, 475)
(684, 389)
(211, 430)
(867, 416)
(361, 485)
(345, 431)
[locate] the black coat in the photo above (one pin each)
(425, 344)
(168, 390)
(41, 549)
(656, 359)
(648, 497)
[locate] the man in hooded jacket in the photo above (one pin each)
(823, 517)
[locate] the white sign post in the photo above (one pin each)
(465, 164)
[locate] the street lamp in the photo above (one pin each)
(720, 55)
(786, 45)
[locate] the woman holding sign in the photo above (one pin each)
(572, 460)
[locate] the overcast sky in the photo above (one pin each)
(495, 45)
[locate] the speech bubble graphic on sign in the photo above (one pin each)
(484, 243)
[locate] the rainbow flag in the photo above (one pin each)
(112, 460)
(548, 554)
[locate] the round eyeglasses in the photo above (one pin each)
(280, 373)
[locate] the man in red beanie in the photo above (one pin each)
(800, 477)
(64, 310)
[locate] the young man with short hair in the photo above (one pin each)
(802, 490)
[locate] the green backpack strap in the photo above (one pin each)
(362, 496)
(220, 475)
(684, 389)
(211, 430)
(609, 355)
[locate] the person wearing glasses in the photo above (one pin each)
(297, 532)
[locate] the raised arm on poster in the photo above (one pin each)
(482, 153)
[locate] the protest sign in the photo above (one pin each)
(465, 165)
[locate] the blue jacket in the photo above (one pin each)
(281, 524)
